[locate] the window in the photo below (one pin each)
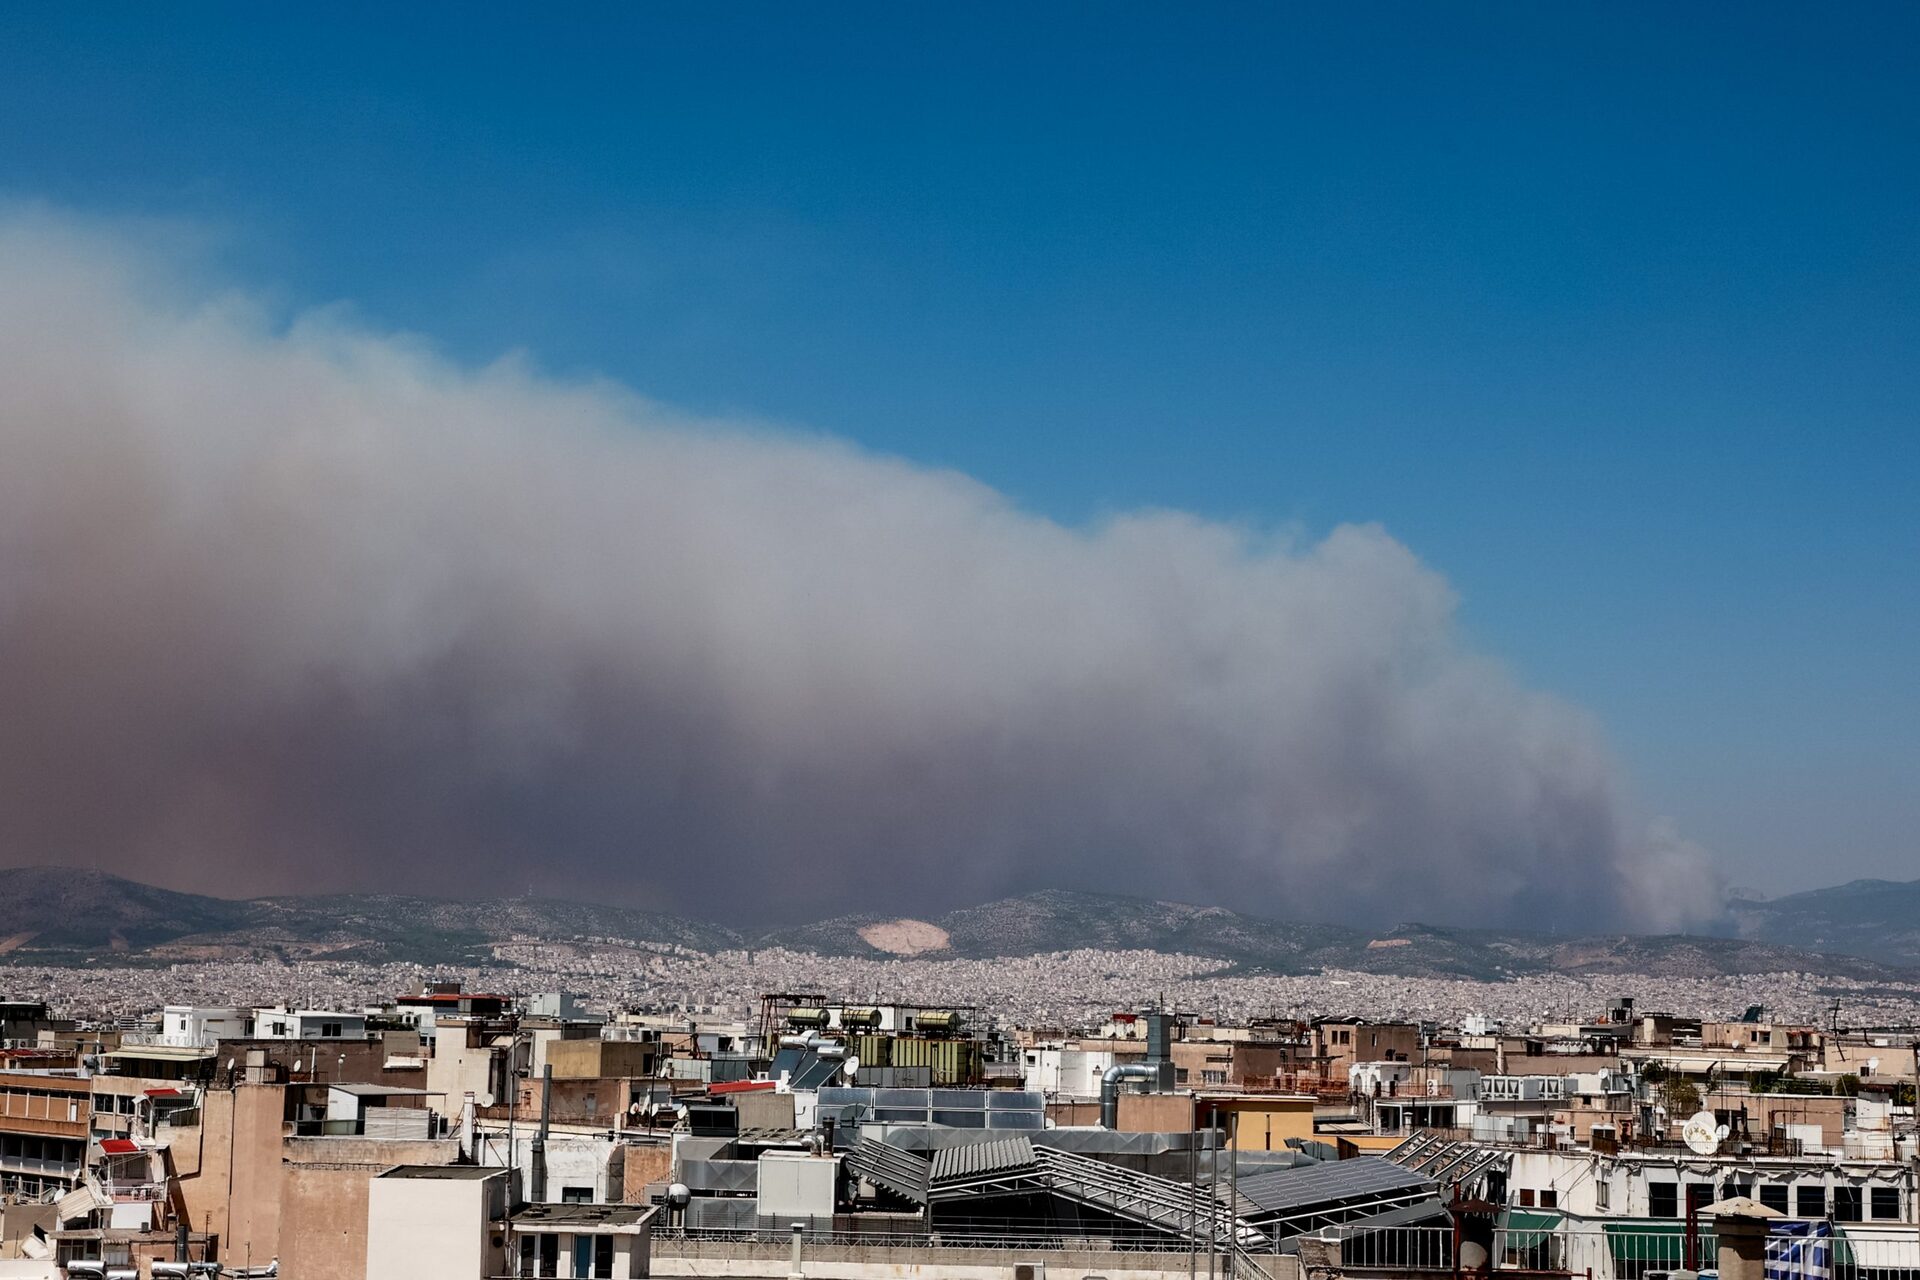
(1663, 1199)
(1886, 1202)
(1526, 1198)
(1699, 1196)
(1846, 1204)
(576, 1195)
(1603, 1195)
(603, 1257)
(1774, 1196)
(1810, 1200)
(1732, 1188)
(1549, 1199)
(330, 1030)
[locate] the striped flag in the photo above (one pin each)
(1800, 1251)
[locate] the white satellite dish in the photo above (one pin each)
(851, 1067)
(1873, 1065)
(1702, 1133)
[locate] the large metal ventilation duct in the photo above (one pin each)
(1110, 1089)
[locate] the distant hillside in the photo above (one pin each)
(51, 909)
(1879, 919)
(60, 910)
(1062, 920)
(53, 916)
(56, 917)
(390, 926)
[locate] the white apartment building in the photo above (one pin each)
(197, 1027)
(308, 1024)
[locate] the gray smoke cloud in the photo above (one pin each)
(304, 606)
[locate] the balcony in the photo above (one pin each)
(22, 1166)
(1543, 1243)
(128, 1192)
(39, 1127)
(162, 1039)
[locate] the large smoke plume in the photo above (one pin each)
(296, 607)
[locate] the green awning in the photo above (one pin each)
(1523, 1229)
(1663, 1243)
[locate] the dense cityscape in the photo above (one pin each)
(1059, 987)
(595, 1111)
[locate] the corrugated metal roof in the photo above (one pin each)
(1405, 1215)
(1284, 1190)
(977, 1158)
(900, 1171)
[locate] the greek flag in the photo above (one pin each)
(1800, 1251)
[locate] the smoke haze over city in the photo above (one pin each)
(293, 603)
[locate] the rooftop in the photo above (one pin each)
(164, 1052)
(444, 1172)
(577, 1217)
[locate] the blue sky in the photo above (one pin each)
(1611, 313)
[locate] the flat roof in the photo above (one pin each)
(382, 1091)
(444, 1172)
(577, 1217)
(177, 1052)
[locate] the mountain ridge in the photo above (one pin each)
(54, 916)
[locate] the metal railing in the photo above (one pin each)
(774, 1241)
(23, 1191)
(1622, 1251)
(135, 1190)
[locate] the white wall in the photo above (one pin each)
(429, 1227)
(1065, 1073)
(193, 1027)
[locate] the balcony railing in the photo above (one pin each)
(1611, 1251)
(152, 1191)
(166, 1039)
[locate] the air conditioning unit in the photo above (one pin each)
(1030, 1271)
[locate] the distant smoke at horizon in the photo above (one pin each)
(306, 607)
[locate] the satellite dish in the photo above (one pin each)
(1703, 1133)
(1873, 1065)
(851, 1067)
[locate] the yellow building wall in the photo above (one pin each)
(1265, 1123)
